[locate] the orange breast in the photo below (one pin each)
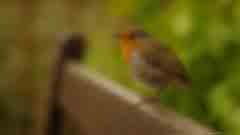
(127, 49)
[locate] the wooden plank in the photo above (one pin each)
(101, 107)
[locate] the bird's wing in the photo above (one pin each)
(163, 59)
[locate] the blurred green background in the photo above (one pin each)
(205, 35)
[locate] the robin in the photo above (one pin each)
(151, 61)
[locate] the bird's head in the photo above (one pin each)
(130, 40)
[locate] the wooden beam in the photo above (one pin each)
(102, 107)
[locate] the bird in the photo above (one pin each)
(151, 61)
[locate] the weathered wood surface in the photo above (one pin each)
(101, 107)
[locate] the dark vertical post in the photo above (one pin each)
(72, 48)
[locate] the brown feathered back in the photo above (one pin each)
(162, 65)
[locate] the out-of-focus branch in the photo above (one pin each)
(104, 108)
